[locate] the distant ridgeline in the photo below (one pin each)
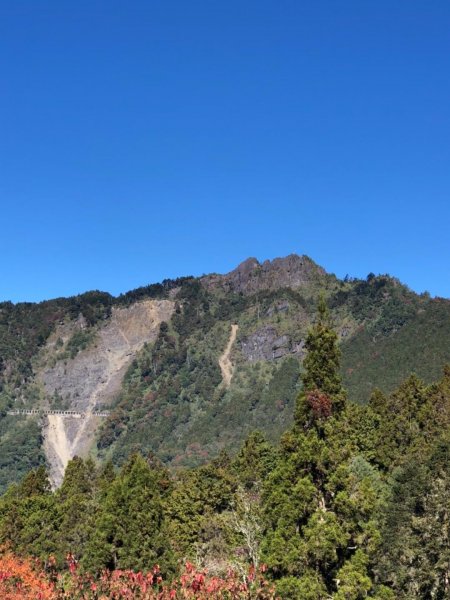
(169, 374)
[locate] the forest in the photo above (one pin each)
(351, 503)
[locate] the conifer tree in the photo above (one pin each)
(322, 394)
(414, 556)
(131, 531)
(28, 516)
(196, 507)
(76, 506)
(317, 505)
(254, 461)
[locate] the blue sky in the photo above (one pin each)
(148, 139)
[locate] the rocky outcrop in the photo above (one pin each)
(281, 307)
(92, 378)
(251, 276)
(267, 344)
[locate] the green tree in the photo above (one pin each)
(322, 394)
(200, 500)
(318, 501)
(415, 554)
(28, 516)
(131, 528)
(77, 507)
(255, 461)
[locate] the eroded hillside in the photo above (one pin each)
(89, 380)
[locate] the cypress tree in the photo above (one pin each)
(28, 516)
(322, 394)
(317, 503)
(77, 507)
(131, 531)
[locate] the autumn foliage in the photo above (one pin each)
(320, 404)
(20, 578)
(25, 579)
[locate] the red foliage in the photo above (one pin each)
(319, 403)
(23, 579)
(192, 584)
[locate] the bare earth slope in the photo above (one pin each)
(93, 377)
(225, 363)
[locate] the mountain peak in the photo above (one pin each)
(251, 276)
(247, 265)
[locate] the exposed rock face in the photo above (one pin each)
(266, 344)
(94, 376)
(279, 308)
(251, 276)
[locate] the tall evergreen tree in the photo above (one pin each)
(318, 501)
(322, 394)
(28, 516)
(254, 461)
(199, 500)
(131, 530)
(77, 508)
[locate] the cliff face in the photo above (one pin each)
(251, 276)
(92, 378)
(265, 344)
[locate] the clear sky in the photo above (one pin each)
(141, 140)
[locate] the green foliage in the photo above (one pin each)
(322, 361)
(322, 498)
(20, 448)
(28, 516)
(322, 394)
(130, 528)
(421, 345)
(307, 587)
(415, 553)
(77, 507)
(381, 302)
(351, 503)
(354, 581)
(80, 340)
(154, 290)
(255, 461)
(197, 509)
(173, 401)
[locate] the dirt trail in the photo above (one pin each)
(225, 363)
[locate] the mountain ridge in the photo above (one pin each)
(171, 399)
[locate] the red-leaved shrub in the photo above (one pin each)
(23, 579)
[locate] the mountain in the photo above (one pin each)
(189, 367)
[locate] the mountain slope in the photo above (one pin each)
(88, 381)
(222, 357)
